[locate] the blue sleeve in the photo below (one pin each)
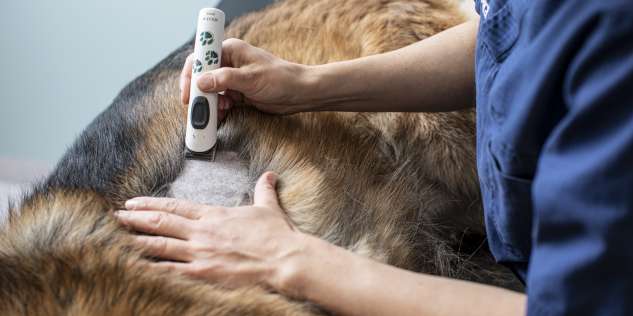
(582, 256)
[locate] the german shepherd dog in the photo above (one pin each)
(400, 188)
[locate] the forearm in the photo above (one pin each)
(349, 284)
(436, 74)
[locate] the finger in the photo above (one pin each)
(180, 207)
(225, 79)
(233, 52)
(265, 193)
(164, 248)
(156, 223)
(188, 269)
(185, 80)
(178, 267)
(184, 268)
(224, 103)
(231, 75)
(185, 73)
(234, 96)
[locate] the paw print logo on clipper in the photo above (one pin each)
(197, 67)
(206, 38)
(212, 58)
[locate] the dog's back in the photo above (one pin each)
(400, 188)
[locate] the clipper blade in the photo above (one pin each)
(204, 156)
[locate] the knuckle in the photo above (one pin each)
(202, 248)
(171, 205)
(223, 75)
(206, 229)
(157, 221)
(234, 42)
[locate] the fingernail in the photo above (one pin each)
(119, 214)
(206, 82)
(133, 204)
(272, 178)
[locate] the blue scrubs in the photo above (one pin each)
(555, 149)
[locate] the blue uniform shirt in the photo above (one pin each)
(555, 149)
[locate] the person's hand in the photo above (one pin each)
(253, 76)
(232, 246)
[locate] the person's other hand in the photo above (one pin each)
(233, 246)
(253, 76)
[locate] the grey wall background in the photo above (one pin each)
(62, 62)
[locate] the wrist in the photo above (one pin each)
(338, 86)
(312, 86)
(314, 274)
(324, 87)
(289, 272)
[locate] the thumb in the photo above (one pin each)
(223, 79)
(265, 193)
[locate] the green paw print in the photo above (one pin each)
(197, 67)
(212, 58)
(206, 38)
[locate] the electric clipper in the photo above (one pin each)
(202, 119)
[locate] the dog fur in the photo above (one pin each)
(400, 188)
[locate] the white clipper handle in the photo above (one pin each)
(202, 119)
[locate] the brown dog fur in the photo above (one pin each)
(397, 187)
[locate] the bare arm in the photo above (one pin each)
(349, 284)
(436, 74)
